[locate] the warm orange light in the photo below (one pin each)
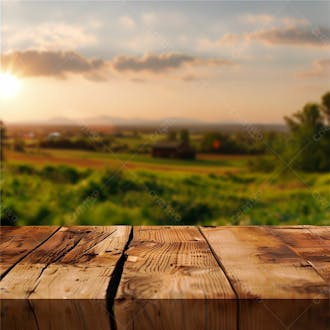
(9, 85)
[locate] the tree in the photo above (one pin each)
(19, 145)
(326, 106)
(309, 139)
(308, 120)
(184, 136)
(2, 140)
(217, 142)
(172, 135)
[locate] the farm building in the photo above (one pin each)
(173, 149)
(54, 135)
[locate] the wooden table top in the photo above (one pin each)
(165, 277)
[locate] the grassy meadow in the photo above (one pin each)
(94, 188)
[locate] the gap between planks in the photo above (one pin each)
(226, 274)
(171, 275)
(58, 273)
(118, 270)
(123, 257)
(116, 276)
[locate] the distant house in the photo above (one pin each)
(173, 149)
(29, 135)
(54, 135)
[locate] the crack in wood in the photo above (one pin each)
(27, 254)
(276, 255)
(98, 242)
(61, 255)
(115, 281)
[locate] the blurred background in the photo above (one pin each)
(212, 113)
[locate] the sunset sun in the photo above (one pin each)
(9, 85)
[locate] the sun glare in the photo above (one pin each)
(9, 85)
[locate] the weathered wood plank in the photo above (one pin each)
(74, 265)
(312, 243)
(260, 265)
(171, 279)
(17, 242)
(272, 281)
(168, 275)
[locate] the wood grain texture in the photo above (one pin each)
(68, 276)
(177, 277)
(274, 285)
(168, 274)
(312, 244)
(76, 262)
(260, 265)
(17, 242)
(275, 314)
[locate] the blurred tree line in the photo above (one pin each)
(305, 147)
(237, 143)
(308, 147)
(2, 140)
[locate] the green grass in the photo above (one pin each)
(66, 195)
(145, 158)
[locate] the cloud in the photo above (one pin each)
(126, 22)
(149, 18)
(267, 19)
(175, 18)
(292, 36)
(292, 21)
(226, 39)
(257, 19)
(56, 64)
(273, 31)
(153, 63)
(190, 77)
(50, 36)
(33, 63)
(320, 68)
(161, 62)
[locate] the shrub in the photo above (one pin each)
(61, 174)
(9, 216)
(262, 164)
(42, 216)
(116, 181)
(193, 212)
(24, 169)
(93, 189)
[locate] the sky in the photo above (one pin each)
(217, 61)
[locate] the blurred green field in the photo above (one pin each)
(99, 160)
(73, 175)
(202, 160)
(63, 194)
